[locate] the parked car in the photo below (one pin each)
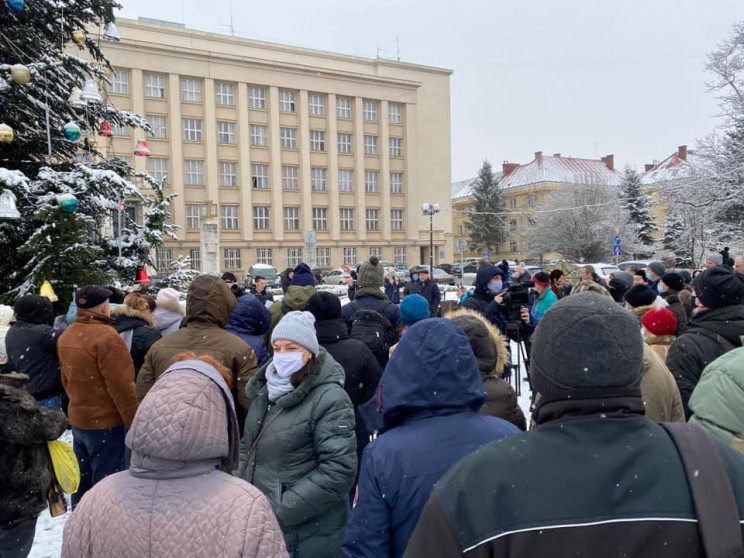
(321, 272)
(401, 267)
(443, 278)
(640, 264)
(336, 277)
(452, 269)
(268, 272)
(532, 269)
(604, 270)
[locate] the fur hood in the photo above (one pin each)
(132, 313)
(659, 339)
(171, 306)
(640, 311)
(489, 364)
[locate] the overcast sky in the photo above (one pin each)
(579, 77)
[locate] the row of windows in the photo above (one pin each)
(191, 92)
(232, 258)
(229, 219)
(157, 167)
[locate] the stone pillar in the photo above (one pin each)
(209, 241)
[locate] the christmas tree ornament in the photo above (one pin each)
(67, 203)
(142, 278)
(20, 74)
(72, 131)
(78, 37)
(74, 99)
(15, 5)
(105, 130)
(112, 33)
(141, 150)
(8, 209)
(90, 93)
(6, 133)
(47, 291)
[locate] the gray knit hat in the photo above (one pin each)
(371, 274)
(298, 327)
(714, 257)
(586, 341)
(658, 268)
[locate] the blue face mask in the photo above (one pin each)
(494, 287)
(414, 278)
(648, 276)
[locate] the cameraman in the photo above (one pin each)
(232, 282)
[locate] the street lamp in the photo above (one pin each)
(430, 209)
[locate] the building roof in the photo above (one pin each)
(560, 169)
(463, 188)
(681, 164)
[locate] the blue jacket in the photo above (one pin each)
(369, 301)
(431, 391)
(250, 320)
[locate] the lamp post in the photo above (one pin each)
(430, 209)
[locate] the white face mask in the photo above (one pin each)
(287, 364)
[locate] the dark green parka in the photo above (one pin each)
(306, 460)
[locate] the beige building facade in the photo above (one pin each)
(284, 140)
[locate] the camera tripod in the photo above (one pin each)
(514, 333)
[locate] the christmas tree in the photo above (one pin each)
(53, 112)
(486, 218)
(637, 204)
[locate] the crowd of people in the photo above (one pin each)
(248, 424)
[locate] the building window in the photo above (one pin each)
(512, 203)
(159, 126)
(229, 217)
(370, 145)
(191, 90)
(192, 129)
(265, 256)
(347, 219)
(399, 254)
(531, 199)
(396, 219)
(256, 97)
(350, 256)
(343, 107)
(396, 147)
(119, 83)
(344, 142)
(228, 173)
(513, 246)
(395, 113)
(260, 176)
(226, 132)
(195, 258)
(294, 257)
(289, 138)
(261, 217)
(155, 86)
(232, 258)
(375, 252)
(157, 167)
(290, 177)
(258, 135)
(323, 257)
(396, 182)
(194, 169)
(286, 100)
(459, 230)
(512, 225)
(317, 140)
(318, 179)
(320, 219)
(373, 219)
(163, 259)
(317, 105)
(292, 218)
(345, 180)
(121, 130)
(371, 182)
(370, 110)
(194, 215)
(224, 93)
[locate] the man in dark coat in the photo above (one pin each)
(670, 288)
(716, 327)
(595, 478)
(31, 344)
(250, 320)
(369, 296)
(430, 393)
(429, 289)
(259, 288)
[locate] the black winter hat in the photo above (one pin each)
(303, 276)
(117, 295)
(640, 295)
(673, 280)
(586, 341)
(719, 286)
(91, 296)
(34, 309)
(324, 305)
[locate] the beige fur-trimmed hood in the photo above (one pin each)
(492, 357)
(132, 313)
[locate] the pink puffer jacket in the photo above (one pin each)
(175, 500)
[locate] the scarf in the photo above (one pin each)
(277, 385)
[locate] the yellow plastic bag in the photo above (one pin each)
(66, 467)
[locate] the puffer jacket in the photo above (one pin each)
(699, 346)
(659, 390)
(370, 298)
(25, 428)
(168, 316)
(144, 334)
(175, 500)
(305, 462)
(208, 306)
(430, 394)
(672, 298)
(250, 320)
(717, 404)
(295, 298)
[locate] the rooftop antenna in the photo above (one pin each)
(378, 51)
(232, 23)
(397, 47)
(183, 13)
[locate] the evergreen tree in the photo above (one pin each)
(637, 204)
(181, 276)
(486, 218)
(50, 175)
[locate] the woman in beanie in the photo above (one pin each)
(414, 308)
(300, 435)
(659, 327)
(135, 323)
(169, 311)
(671, 287)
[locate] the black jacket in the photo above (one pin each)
(595, 479)
(143, 334)
(430, 291)
(32, 350)
(699, 346)
(264, 296)
(362, 370)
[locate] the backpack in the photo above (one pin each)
(371, 327)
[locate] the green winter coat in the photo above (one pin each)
(306, 460)
(717, 403)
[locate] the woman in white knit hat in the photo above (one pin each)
(300, 438)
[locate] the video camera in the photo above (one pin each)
(516, 297)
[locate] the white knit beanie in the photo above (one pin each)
(298, 327)
(168, 295)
